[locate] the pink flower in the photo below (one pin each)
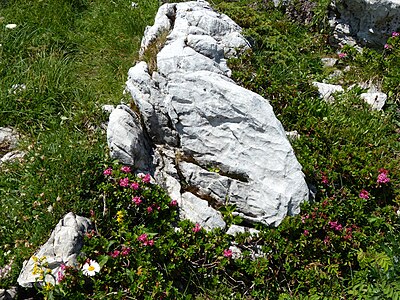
(387, 46)
(196, 228)
(342, 55)
(173, 203)
(146, 178)
(125, 251)
(114, 254)
(149, 209)
(306, 232)
(150, 243)
(142, 238)
(335, 225)
(136, 200)
(324, 179)
(135, 186)
(124, 182)
(382, 177)
(126, 169)
(107, 172)
(228, 253)
(364, 194)
(303, 218)
(60, 276)
(327, 240)
(395, 34)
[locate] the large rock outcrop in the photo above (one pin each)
(364, 21)
(214, 142)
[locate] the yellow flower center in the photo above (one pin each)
(91, 268)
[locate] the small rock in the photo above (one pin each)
(62, 247)
(326, 90)
(107, 108)
(8, 139)
(8, 294)
(236, 229)
(377, 100)
(12, 156)
(328, 61)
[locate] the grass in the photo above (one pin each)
(73, 57)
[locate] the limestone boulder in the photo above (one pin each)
(63, 247)
(214, 142)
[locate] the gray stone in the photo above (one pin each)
(376, 99)
(62, 247)
(368, 21)
(326, 90)
(328, 61)
(12, 156)
(199, 211)
(8, 294)
(8, 139)
(222, 140)
(126, 139)
(107, 108)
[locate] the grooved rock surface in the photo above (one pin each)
(62, 247)
(369, 21)
(222, 141)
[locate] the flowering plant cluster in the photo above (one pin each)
(140, 248)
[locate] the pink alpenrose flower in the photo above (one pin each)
(228, 253)
(364, 194)
(196, 228)
(126, 169)
(107, 172)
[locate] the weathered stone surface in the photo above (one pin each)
(199, 211)
(126, 139)
(12, 156)
(369, 21)
(328, 61)
(326, 90)
(8, 294)
(8, 139)
(376, 99)
(62, 247)
(202, 121)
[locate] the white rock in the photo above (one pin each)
(328, 61)
(11, 26)
(8, 138)
(200, 119)
(370, 21)
(326, 90)
(12, 156)
(376, 99)
(126, 139)
(199, 211)
(107, 108)
(62, 247)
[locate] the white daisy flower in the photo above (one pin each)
(11, 26)
(91, 268)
